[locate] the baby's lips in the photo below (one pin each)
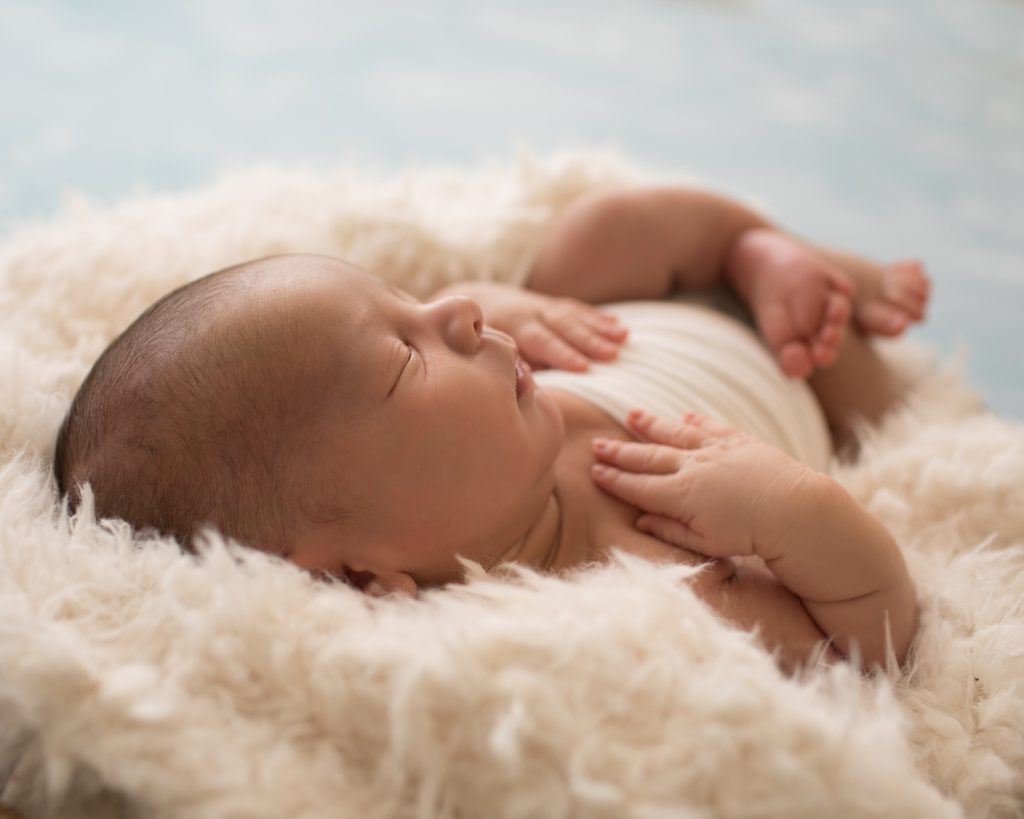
(523, 377)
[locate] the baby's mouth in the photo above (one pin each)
(524, 378)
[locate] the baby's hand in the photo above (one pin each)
(558, 332)
(703, 485)
(551, 332)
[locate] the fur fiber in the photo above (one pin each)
(137, 681)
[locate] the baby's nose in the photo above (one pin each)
(462, 322)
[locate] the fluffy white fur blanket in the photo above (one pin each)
(138, 681)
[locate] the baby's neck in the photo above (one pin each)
(560, 536)
(573, 524)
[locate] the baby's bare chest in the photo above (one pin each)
(610, 523)
(758, 600)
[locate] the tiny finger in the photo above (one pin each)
(602, 317)
(652, 493)
(609, 326)
(584, 337)
(669, 530)
(711, 426)
(591, 343)
(548, 349)
(638, 457)
(600, 321)
(663, 431)
(617, 334)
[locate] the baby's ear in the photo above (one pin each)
(385, 583)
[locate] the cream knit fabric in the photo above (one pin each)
(681, 357)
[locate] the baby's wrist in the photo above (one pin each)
(794, 499)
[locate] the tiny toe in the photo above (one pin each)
(832, 335)
(909, 265)
(917, 293)
(896, 322)
(838, 311)
(824, 354)
(843, 284)
(882, 318)
(910, 277)
(911, 302)
(919, 287)
(795, 360)
(827, 344)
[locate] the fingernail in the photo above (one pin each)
(600, 445)
(599, 470)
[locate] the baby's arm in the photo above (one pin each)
(640, 243)
(645, 243)
(712, 489)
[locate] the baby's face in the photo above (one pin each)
(433, 442)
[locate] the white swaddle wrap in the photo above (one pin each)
(681, 357)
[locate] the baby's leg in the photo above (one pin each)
(858, 385)
(803, 296)
(888, 298)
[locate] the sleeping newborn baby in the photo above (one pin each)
(313, 411)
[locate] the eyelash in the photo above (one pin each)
(401, 372)
(408, 361)
(414, 352)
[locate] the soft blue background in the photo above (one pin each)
(893, 128)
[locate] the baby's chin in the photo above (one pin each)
(547, 404)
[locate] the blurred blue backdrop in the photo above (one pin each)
(896, 129)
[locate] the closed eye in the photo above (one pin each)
(401, 371)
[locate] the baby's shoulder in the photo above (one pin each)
(611, 523)
(584, 419)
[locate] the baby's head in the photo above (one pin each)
(309, 409)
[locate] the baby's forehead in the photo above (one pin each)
(314, 293)
(322, 322)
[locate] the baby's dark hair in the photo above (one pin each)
(183, 420)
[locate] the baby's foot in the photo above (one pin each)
(890, 298)
(800, 301)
